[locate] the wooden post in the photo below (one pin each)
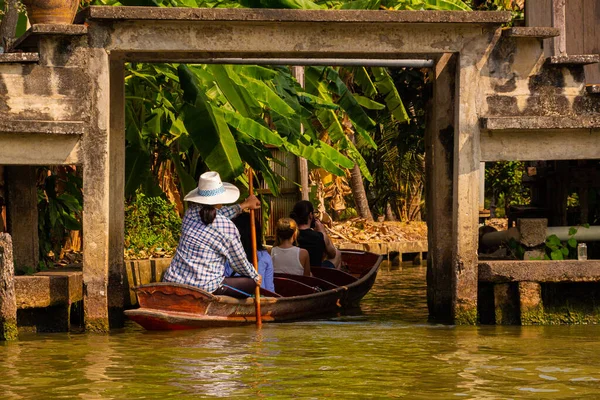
(298, 73)
(559, 46)
(8, 300)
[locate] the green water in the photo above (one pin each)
(386, 351)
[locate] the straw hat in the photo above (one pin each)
(212, 191)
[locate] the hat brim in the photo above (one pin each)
(231, 195)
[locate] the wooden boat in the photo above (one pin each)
(171, 306)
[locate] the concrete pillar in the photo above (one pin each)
(103, 189)
(22, 215)
(467, 158)
(8, 300)
(506, 301)
(530, 303)
(439, 142)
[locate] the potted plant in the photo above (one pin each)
(51, 11)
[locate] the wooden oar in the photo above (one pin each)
(254, 255)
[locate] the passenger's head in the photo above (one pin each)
(302, 212)
(242, 222)
(286, 229)
(211, 193)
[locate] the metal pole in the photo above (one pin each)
(321, 61)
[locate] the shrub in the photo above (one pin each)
(152, 227)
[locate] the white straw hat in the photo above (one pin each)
(212, 191)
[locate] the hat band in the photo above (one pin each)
(211, 192)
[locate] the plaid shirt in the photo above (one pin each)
(203, 250)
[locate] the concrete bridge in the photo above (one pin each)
(497, 96)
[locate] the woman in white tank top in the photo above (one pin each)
(287, 258)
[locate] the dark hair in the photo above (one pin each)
(208, 214)
(301, 212)
(242, 222)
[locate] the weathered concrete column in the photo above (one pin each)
(22, 215)
(439, 142)
(506, 302)
(103, 188)
(470, 104)
(8, 300)
(530, 303)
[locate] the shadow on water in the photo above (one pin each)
(385, 350)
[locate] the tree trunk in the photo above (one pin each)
(389, 213)
(360, 196)
(8, 25)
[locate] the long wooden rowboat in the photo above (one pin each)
(171, 306)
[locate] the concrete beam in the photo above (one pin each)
(36, 149)
(107, 14)
(517, 145)
(539, 271)
(48, 289)
(439, 142)
(154, 34)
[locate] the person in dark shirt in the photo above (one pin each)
(313, 237)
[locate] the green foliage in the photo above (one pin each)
(60, 202)
(557, 250)
(398, 160)
(504, 180)
(152, 227)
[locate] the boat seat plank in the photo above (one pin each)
(309, 280)
(334, 276)
(289, 287)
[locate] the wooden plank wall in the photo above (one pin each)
(583, 28)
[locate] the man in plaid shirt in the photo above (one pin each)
(204, 248)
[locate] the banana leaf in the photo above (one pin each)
(361, 76)
(239, 97)
(251, 128)
(208, 129)
(385, 86)
(368, 103)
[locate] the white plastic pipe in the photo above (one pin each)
(591, 234)
(583, 234)
(361, 62)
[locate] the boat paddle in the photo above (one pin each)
(254, 255)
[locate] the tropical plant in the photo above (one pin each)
(152, 227)
(60, 201)
(504, 185)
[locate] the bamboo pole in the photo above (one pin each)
(254, 255)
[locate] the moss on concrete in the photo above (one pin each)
(567, 315)
(465, 316)
(99, 325)
(8, 329)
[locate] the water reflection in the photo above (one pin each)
(385, 350)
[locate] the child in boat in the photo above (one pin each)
(288, 258)
(265, 265)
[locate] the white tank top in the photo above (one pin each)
(287, 261)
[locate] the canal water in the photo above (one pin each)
(387, 350)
